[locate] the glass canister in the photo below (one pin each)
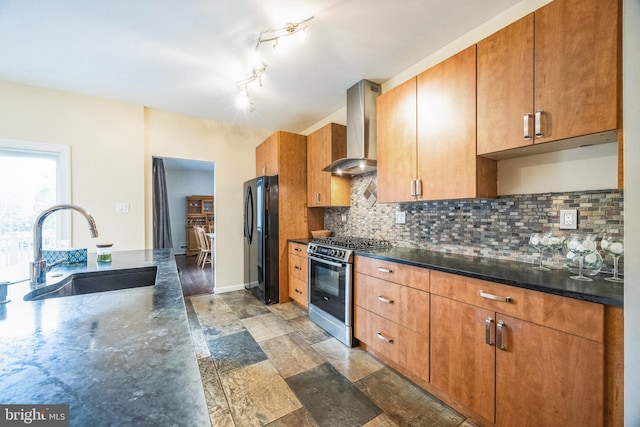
(104, 252)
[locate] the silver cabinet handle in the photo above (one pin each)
(385, 300)
(487, 333)
(483, 294)
(384, 270)
(537, 124)
(383, 338)
(499, 342)
(527, 119)
(413, 188)
(419, 187)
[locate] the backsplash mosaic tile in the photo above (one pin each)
(493, 228)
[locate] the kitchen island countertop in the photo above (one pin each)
(510, 273)
(121, 357)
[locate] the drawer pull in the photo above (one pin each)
(383, 338)
(297, 267)
(385, 300)
(384, 270)
(483, 294)
(298, 291)
(297, 249)
(487, 334)
(500, 343)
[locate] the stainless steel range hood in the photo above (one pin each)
(361, 131)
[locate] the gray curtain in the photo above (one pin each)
(161, 221)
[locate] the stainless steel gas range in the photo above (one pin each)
(331, 283)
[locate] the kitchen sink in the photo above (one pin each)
(96, 281)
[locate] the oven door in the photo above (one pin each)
(330, 287)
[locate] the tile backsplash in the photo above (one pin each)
(494, 228)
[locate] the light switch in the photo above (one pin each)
(568, 219)
(122, 207)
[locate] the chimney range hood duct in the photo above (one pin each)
(361, 131)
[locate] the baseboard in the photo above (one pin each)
(224, 289)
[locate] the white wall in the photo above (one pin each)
(232, 149)
(631, 99)
(107, 163)
(181, 183)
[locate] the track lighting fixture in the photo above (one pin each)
(271, 35)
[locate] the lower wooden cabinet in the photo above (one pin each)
(515, 372)
(392, 317)
(298, 274)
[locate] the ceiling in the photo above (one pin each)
(187, 56)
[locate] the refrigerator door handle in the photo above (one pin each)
(248, 216)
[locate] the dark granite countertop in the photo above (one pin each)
(121, 357)
(507, 272)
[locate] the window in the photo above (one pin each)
(33, 176)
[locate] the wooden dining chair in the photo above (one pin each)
(204, 256)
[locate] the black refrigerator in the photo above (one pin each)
(261, 263)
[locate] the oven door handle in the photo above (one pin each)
(324, 261)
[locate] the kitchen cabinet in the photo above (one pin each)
(299, 274)
(515, 356)
(285, 154)
(427, 137)
(267, 154)
(392, 314)
(397, 139)
(325, 189)
(199, 211)
(552, 75)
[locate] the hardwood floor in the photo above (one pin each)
(194, 280)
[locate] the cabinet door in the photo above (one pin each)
(548, 378)
(325, 145)
(462, 363)
(505, 87)
(267, 156)
(447, 128)
(576, 67)
(396, 128)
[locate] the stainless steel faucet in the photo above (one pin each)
(39, 266)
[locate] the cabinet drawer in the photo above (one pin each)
(299, 291)
(407, 275)
(298, 249)
(298, 267)
(393, 343)
(406, 306)
(581, 318)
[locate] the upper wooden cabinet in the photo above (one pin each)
(550, 76)
(397, 139)
(267, 155)
(427, 137)
(325, 145)
(447, 163)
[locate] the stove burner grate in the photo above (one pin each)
(349, 242)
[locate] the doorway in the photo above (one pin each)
(186, 177)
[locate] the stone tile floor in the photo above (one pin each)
(271, 366)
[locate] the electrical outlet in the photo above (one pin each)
(344, 218)
(122, 207)
(568, 219)
(401, 217)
